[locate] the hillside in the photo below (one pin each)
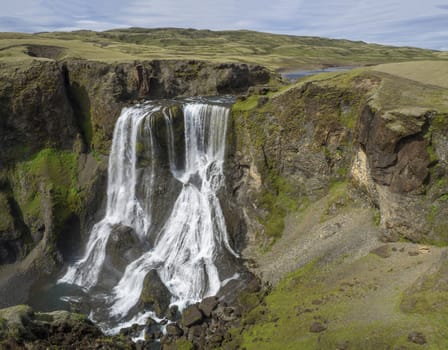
(348, 173)
(278, 52)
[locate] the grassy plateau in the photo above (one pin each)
(278, 52)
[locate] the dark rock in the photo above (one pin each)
(139, 345)
(192, 316)
(173, 329)
(417, 338)
(195, 331)
(224, 313)
(262, 101)
(173, 313)
(383, 252)
(151, 322)
(207, 305)
(154, 294)
(122, 248)
(413, 253)
(216, 339)
(317, 327)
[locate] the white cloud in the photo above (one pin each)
(400, 22)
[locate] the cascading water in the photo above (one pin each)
(183, 249)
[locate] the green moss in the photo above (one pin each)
(183, 344)
(50, 175)
(277, 200)
(433, 213)
(429, 294)
(245, 105)
(377, 217)
(432, 154)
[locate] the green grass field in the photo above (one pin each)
(278, 52)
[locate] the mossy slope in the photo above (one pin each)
(357, 303)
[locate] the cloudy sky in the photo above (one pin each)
(397, 22)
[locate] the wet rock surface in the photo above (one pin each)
(155, 295)
(22, 328)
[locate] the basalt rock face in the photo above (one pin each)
(56, 125)
(99, 90)
(291, 148)
(402, 179)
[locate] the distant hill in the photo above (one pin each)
(279, 52)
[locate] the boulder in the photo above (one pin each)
(383, 252)
(417, 338)
(173, 329)
(317, 327)
(155, 295)
(192, 315)
(123, 246)
(207, 305)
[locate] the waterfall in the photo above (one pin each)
(186, 246)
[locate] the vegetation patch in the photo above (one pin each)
(277, 201)
(344, 305)
(49, 178)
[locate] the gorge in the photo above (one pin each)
(331, 190)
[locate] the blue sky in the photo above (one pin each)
(396, 22)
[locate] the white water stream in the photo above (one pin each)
(187, 245)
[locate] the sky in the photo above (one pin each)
(420, 23)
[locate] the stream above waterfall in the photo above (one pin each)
(164, 234)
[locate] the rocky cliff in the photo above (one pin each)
(56, 125)
(341, 179)
(383, 135)
(347, 157)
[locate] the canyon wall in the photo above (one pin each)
(56, 126)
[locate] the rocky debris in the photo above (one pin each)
(417, 338)
(317, 327)
(207, 305)
(192, 315)
(203, 325)
(173, 330)
(22, 328)
(383, 252)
